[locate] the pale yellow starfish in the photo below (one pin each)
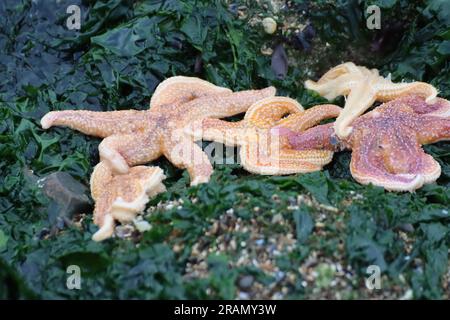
(262, 151)
(137, 137)
(120, 197)
(362, 87)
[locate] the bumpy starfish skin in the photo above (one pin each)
(137, 137)
(262, 151)
(386, 142)
(121, 197)
(363, 87)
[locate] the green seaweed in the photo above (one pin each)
(123, 50)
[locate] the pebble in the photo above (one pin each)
(406, 227)
(244, 295)
(124, 231)
(269, 25)
(142, 225)
(260, 242)
(246, 282)
(279, 275)
(277, 218)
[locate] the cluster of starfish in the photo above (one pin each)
(277, 136)
(119, 187)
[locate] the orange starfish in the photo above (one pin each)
(135, 137)
(262, 152)
(386, 142)
(362, 87)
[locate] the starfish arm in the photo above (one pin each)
(225, 105)
(99, 124)
(122, 197)
(339, 70)
(387, 90)
(185, 154)
(320, 137)
(266, 112)
(434, 125)
(433, 129)
(439, 107)
(263, 154)
(333, 88)
(285, 162)
(124, 150)
(304, 120)
(180, 89)
(392, 160)
(431, 122)
(359, 99)
(228, 133)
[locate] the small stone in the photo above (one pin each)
(142, 225)
(260, 242)
(319, 225)
(243, 295)
(279, 62)
(406, 227)
(246, 282)
(124, 231)
(270, 25)
(279, 275)
(277, 218)
(267, 51)
(233, 244)
(177, 248)
(408, 295)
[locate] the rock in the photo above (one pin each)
(279, 62)
(68, 197)
(269, 25)
(124, 231)
(244, 296)
(246, 282)
(142, 225)
(279, 275)
(406, 227)
(302, 40)
(277, 218)
(260, 242)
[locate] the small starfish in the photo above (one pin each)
(136, 137)
(261, 151)
(362, 87)
(386, 142)
(121, 197)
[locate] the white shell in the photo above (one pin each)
(270, 25)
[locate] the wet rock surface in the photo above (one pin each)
(68, 197)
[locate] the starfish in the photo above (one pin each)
(386, 142)
(137, 137)
(120, 197)
(261, 151)
(363, 87)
